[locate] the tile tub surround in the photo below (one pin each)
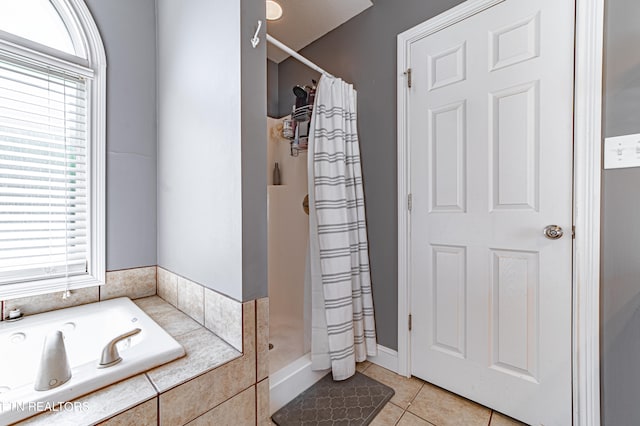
(213, 381)
(191, 299)
(262, 389)
(133, 283)
(167, 286)
(101, 405)
(262, 342)
(50, 302)
(218, 313)
(145, 413)
(178, 405)
(239, 410)
(85, 332)
(222, 316)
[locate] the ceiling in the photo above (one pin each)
(304, 21)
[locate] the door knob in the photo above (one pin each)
(553, 232)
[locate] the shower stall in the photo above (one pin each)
(289, 294)
(288, 238)
(290, 289)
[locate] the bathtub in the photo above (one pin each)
(86, 329)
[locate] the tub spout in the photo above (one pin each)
(53, 370)
(110, 355)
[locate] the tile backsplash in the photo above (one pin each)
(133, 283)
(223, 316)
(49, 302)
(218, 313)
(191, 299)
(168, 286)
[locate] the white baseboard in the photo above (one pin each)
(387, 358)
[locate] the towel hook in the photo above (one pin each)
(256, 40)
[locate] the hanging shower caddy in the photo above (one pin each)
(296, 129)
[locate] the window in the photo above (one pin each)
(36, 20)
(52, 148)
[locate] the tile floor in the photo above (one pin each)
(418, 403)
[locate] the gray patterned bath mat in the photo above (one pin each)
(352, 402)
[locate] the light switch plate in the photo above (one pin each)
(622, 151)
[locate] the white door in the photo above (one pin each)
(490, 129)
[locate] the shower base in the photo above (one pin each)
(291, 380)
(286, 334)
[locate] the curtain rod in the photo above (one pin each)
(296, 55)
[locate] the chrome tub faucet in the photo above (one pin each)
(110, 355)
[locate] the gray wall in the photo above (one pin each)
(272, 89)
(363, 52)
(254, 152)
(128, 30)
(211, 148)
(621, 230)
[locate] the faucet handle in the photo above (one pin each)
(110, 355)
(53, 370)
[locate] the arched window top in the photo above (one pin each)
(52, 117)
(39, 21)
(60, 28)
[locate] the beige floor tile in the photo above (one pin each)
(447, 409)
(406, 389)
(409, 419)
(361, 366)
(498, 419)
(389, 415)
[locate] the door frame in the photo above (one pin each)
(589, 32)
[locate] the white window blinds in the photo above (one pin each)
(43, 173)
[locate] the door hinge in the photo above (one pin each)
(410, 322)
(408, 74)
(410, 201)
(573, 232)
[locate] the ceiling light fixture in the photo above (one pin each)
(274, 10)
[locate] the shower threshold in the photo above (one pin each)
(291, 380)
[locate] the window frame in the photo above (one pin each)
(92, 65)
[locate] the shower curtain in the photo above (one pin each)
(343, 326)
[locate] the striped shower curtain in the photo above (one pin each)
(343, 326)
